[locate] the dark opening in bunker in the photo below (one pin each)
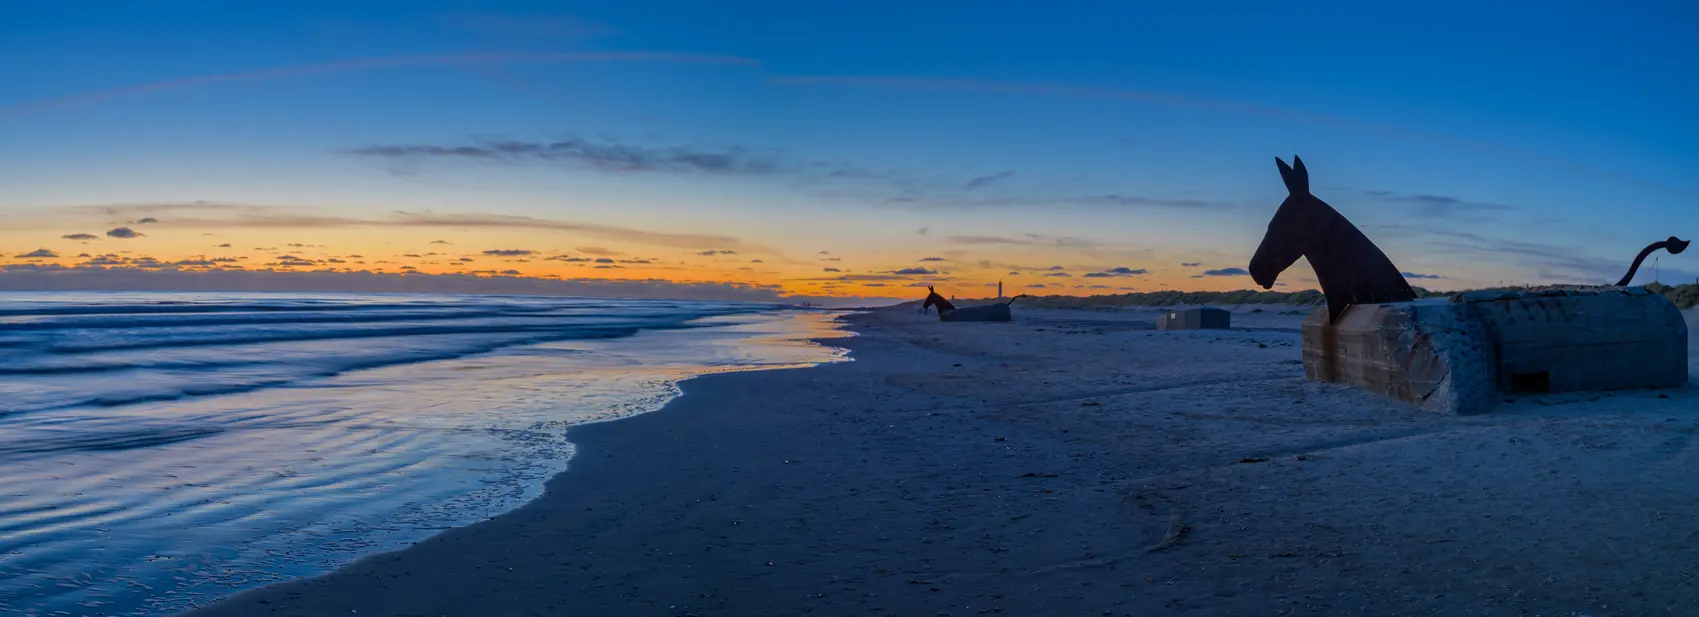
(1531, 382)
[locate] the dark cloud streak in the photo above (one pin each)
(204, 215)
(987, 180)
(1227, 272)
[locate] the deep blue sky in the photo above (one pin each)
(1482, 142)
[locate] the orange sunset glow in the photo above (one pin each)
(200, 238)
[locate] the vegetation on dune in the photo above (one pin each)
(1176, 298)
(1683, 296)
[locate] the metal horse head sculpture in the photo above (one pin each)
(1349, 268)
(932, 298)
(996, 311)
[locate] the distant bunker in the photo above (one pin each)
(1462, 354)
(998, 311)
(1202, 318)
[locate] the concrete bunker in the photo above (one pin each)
(1463, 353)
(998, 311)
(1200, 318)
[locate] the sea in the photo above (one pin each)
(161, 450)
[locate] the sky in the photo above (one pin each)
(803, 151)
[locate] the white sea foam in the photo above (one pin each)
(158, 450)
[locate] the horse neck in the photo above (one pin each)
(1347, 263)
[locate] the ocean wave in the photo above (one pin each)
(124, 353)
(170, 454)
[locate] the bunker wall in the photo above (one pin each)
(1460, 355)
(1202, 318)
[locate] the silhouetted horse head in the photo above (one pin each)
(1292, 231)
(932, 298)
(1349, 268)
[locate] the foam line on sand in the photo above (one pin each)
(923, 479)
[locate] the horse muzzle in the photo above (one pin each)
(1262, 279)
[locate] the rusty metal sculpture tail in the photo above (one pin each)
(1674, 245)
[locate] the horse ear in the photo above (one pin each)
(1297, 178)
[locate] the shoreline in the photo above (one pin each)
(158, 507)
(681, 390)
(1069, 463)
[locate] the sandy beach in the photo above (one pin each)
(1071, 463)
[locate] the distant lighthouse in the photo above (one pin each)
(999, 290)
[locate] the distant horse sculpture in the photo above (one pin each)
(933, 299)
(1349, 268)
(997, 311)
(1674, 245)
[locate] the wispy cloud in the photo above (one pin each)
(39, 254)
(80, 237)
(1134, 201)
(1418, 275)
(600, 155)
(1025, 239)
(986, 180)
(509, 252)
(342, 66)
(615, 156)
(914, 272)
(205, 215)
(123, 232)
(1437, 206)
(1548, 262)
(1196, 102)
(1227, 272)
(918, 201)
(859, 278)
(1117, 272)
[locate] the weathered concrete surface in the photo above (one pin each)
(1573, 341)
(1430, 353)
(985, 312)
(1201, 318)
(1460, 355)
